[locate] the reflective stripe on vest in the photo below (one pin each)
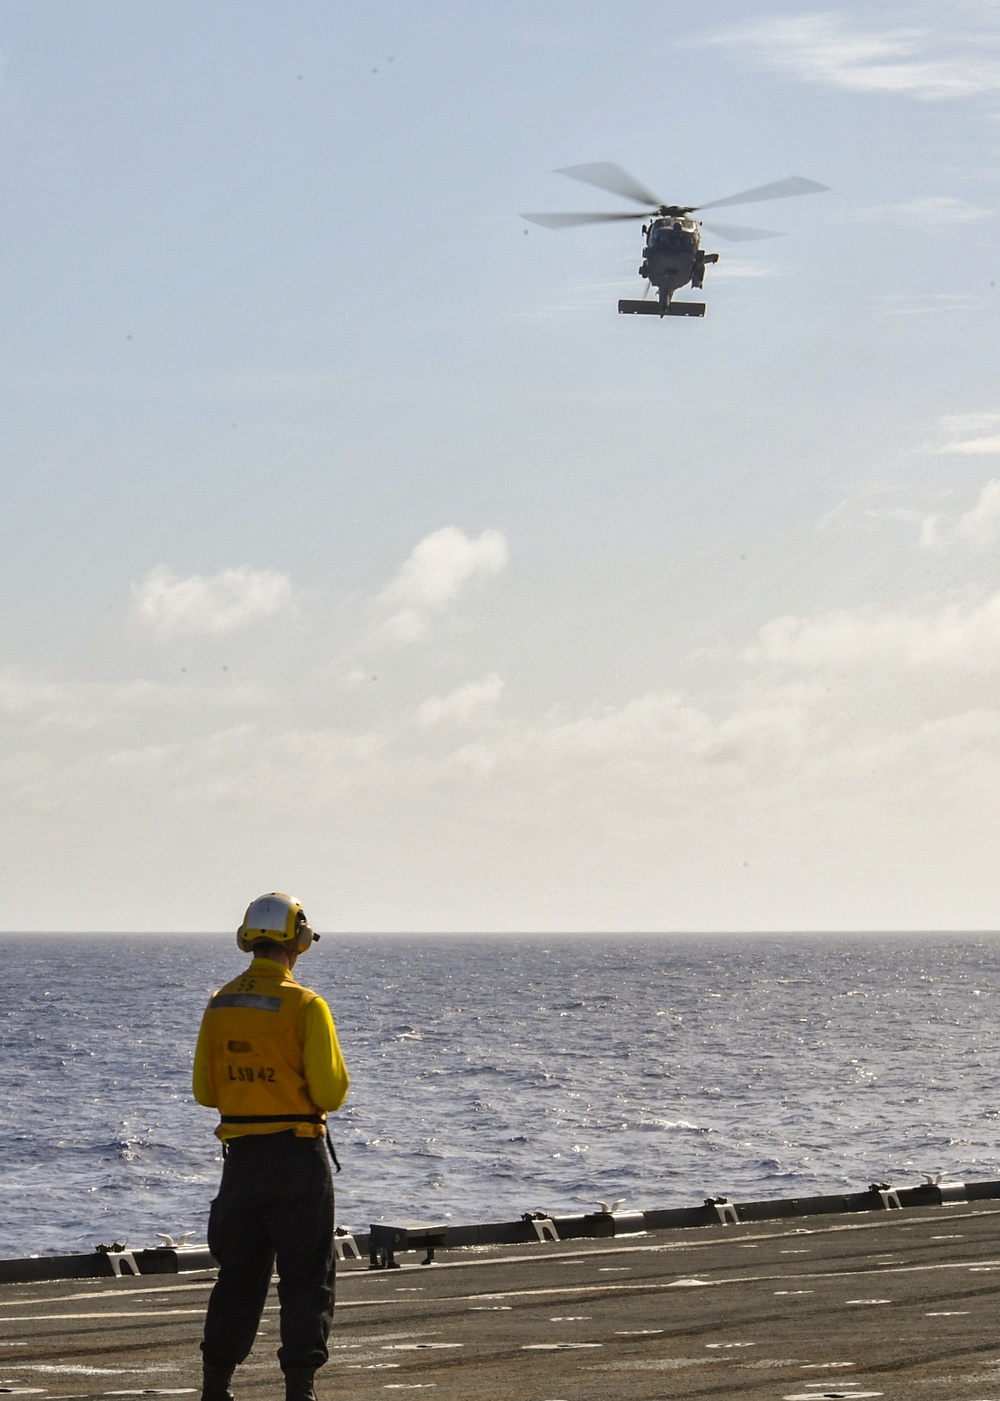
(246, 999)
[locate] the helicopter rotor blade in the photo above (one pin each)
(780, 189)
(739, 233)
(649, 288)
(608, 176)
(569, 221)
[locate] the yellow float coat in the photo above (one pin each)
(268, 1057)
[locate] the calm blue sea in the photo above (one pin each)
(493, 1076)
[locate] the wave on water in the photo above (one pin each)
(492, 1076)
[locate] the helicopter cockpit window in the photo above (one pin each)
(670, 236)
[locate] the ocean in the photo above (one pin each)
(497, 1075)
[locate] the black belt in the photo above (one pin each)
(274, 1118)
(284, 1119)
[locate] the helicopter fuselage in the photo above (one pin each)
(673, 256)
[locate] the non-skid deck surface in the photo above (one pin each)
(897, 1304)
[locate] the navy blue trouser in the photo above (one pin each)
(275, 1207)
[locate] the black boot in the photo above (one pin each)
(215, 1383)
(299, 1384)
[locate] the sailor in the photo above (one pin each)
(268, 1059)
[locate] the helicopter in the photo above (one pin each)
(672, 256)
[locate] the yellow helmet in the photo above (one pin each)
(278, 917)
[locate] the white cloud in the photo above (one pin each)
(949, 638)
(433, 576)
(84, 705)
(659, 720)
(971, 434)
(731, 266)
(927, 303)
(826, 49)
(933, 210)
(461, 705)
(198, 605)
(978, 528)
(858, 798)
(765, 729)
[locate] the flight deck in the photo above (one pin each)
(901, 1304)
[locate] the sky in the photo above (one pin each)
(354, 545)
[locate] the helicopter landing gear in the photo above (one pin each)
(698, 274)
(698, 271)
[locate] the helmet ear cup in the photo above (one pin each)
(304, 935)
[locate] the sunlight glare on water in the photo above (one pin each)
(493, 1076)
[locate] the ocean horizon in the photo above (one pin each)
(498, 1074)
